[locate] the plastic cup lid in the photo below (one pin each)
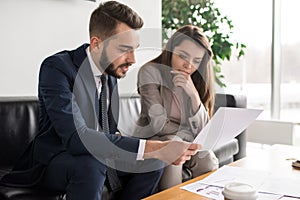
(239, 191)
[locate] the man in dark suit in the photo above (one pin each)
(73, 152)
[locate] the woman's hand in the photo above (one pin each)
(184, 80)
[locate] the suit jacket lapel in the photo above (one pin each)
(85, 76)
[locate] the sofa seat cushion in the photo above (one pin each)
(7, 193)
(13, 193)
(3, 171)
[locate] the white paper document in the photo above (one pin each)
(215, 193)
(268, 185)
(209, 191)
(228, 174)
(225, 124)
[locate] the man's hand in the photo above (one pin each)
(175, 152)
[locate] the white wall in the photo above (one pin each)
(33, 29)
(150, 44)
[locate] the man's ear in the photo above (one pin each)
(95, 42)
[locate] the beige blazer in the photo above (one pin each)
(156, 89)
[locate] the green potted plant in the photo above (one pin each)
(202, 13)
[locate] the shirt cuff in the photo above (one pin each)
(199, 120)
(141, 150)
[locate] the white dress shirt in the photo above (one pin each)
(97, 73)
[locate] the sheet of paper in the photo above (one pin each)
(262, 181)
(214, 192)
(225, 124)
(227, 174)
(209, 191)
(267, 196)
(282, 185)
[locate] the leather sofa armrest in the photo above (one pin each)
(237, 101)
(225, 153)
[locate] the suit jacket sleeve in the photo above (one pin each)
(198, 120)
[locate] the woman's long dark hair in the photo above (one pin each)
(203, 77)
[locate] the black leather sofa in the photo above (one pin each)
(19, 124)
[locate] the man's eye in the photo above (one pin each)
(124, 50)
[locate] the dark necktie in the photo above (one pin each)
(103, 117)
(112, 176)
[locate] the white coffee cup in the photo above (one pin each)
(239, 191)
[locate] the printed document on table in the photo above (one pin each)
(264, 182)
(228, 174)
(225, 124)
(215, 192)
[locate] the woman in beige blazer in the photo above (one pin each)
(177, 98)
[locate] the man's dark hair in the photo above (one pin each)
(105, 18)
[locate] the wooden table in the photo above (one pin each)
(277, 160)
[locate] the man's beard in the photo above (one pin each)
(109, 67)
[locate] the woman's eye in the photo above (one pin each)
(183, 56)
(197, 62)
